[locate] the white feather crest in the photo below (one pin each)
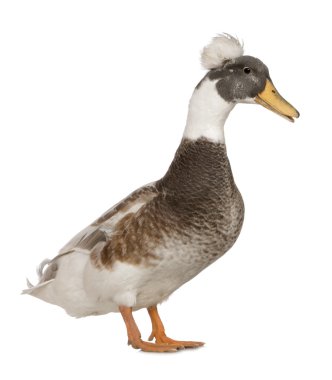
(222, 47)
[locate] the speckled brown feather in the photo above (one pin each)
(144, 194)
(196, 203)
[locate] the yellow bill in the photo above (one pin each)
(272, 100)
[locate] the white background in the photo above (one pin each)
(93, 104)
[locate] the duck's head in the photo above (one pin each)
(242, 78)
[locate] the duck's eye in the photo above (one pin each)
(247, 70)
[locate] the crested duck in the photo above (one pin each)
(163, 234)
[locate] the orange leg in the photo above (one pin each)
(158, 332)
(134, 335)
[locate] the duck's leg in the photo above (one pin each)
(134, 335)
(158, 332)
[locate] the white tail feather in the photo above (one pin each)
(40, 268)
(29, 285)
(40, 273)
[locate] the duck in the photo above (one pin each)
(165, 233)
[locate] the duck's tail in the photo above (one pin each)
(46, 272)
(39, 271)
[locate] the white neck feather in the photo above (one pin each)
(207, 113)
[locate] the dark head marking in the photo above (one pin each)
(240, 78)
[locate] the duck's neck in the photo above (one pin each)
(207, 113)
(200, 170)
(199, 177)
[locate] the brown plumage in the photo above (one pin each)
(196, 201)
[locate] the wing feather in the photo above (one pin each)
(100, 230)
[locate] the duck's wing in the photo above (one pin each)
(92, 239)
(100, 231)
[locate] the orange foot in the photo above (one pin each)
(158, 332)
(152, 347)
(134, 335)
